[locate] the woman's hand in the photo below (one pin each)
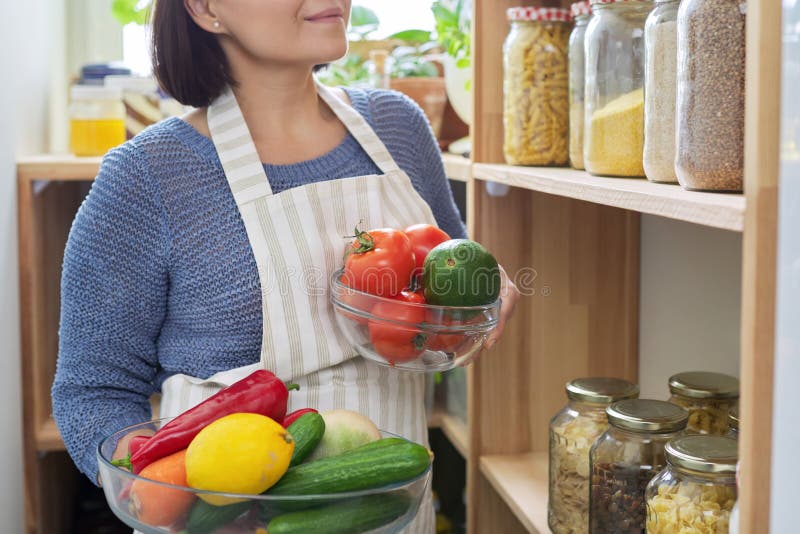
(509, 294)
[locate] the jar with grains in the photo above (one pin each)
(573, 430)
(661, 55)
(624, 459)
(733, 423)
(710, 101)
(696, 492)
(581, 12)
(614, 112)
(535, 86)
(708, 397)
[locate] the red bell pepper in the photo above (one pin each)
(260, 392)
(295, 415)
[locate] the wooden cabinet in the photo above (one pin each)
(575, 239)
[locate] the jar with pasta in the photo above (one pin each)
(708, 397)
(535, 87)
(625, 458)
(573, 430)
(581, 12)
(614, 111)
(696, 492)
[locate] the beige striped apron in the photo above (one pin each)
(297, 240)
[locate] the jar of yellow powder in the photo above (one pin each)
(97, 119)
(614, 92)
(535, 86)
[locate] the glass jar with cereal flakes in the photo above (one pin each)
(708, 397)
(696, 492)
(535, 86)
(581, 12)
(625, 458)
(573, 430)
(614, 112)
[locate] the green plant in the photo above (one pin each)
(453, 29)
(411, 61)
(131, 11)
(350, 70)
(363, 21)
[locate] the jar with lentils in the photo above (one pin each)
(625, 458)
(660, 42)
(581, 12)
(535, 86)
(696, 492)
(573, 430)
(708, 397)
(614, 71)
(710, 95)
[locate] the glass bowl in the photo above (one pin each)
(411, 336)
(396, 505)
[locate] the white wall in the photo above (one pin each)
(689, 301)
(25, 42)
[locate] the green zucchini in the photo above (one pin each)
(205, 518)
(307, 432)
(350, 517)
(370, 466)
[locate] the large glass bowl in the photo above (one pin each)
(396, 505)
(446, 337)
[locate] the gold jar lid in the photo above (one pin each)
(601, 390)
(733, 417)
(704, 385)
(704, 454)
(646, 415)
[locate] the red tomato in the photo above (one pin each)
(356, 300)
(394, 342)
(443, 341)
(423, 238)
(379, 262)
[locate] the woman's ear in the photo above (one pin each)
(203, 14)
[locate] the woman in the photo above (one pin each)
(192, 262)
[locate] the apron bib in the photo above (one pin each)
(297, 241)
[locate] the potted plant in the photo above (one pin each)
(453, 33)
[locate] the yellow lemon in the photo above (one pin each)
(238, 453)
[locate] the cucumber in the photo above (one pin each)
(370, 466)
(205, 518)
(307, 432)
(350, 517)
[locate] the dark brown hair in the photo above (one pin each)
(188, 62)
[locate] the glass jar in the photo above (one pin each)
(710, 102)
(535, 87)
(660, 81)
(733, 423)
(96, 118)
(696, 492)
(614, 121)
(142, 101)
(708, 397)
(624, 459)
(581, 12)
(573, 430)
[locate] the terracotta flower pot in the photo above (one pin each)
(429, 93)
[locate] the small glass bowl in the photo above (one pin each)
(446, 336)
(247, 513)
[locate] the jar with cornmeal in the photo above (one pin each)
(696, 492)
(709, 398)
(535, 86)
(573, 431)
(614, 93)
(96, 119)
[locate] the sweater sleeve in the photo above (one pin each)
(113, 300)
(405, 129)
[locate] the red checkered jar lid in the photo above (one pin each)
(517, 14)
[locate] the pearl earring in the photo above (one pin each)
(216, 24)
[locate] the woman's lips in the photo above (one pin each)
(329, 15)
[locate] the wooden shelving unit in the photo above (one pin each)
(457, 167)
(578, 237)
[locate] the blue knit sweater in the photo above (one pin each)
(159, 277)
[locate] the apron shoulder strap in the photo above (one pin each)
(360, 129)
(236, 150)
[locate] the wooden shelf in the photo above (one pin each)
(457, 167)
(718, 210)
(521, 480)
(48, 438)
(57, 167)
(456, 432)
